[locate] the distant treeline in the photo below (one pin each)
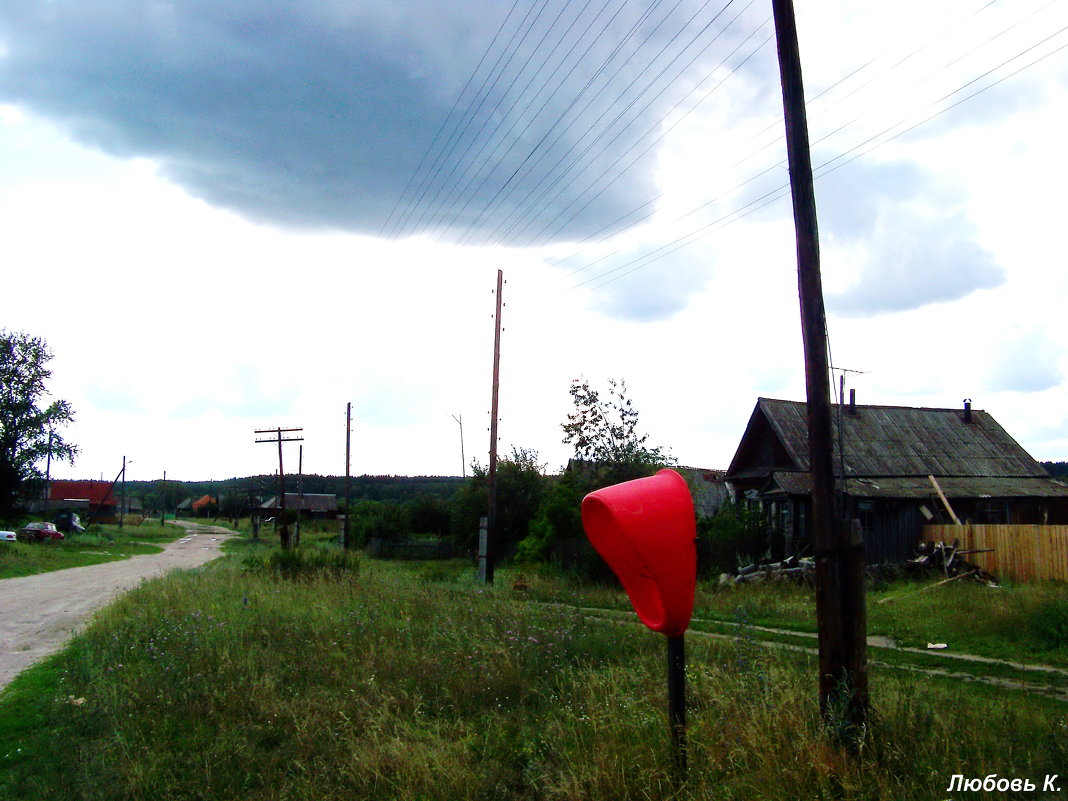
(396, 489)
(1056, 469)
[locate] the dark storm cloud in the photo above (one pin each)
(907, 239)
(317, 113)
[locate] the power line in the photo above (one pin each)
(823, 169)
(437, 136)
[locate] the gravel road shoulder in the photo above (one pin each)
(39, 614)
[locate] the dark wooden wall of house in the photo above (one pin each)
(892, 529)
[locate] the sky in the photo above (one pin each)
(226, 216)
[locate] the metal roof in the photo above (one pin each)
(311, 502)
(707, 487)
(903, 441)
(954, 487)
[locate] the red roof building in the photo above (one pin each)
(93, 493)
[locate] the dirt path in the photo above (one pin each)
(1056, 689)
(38, 614)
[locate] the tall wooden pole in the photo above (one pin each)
(122, 508)
(348, 474)
(463, 459)
(491, 516)
(300, 488)
(284, 534)
(282, 494)
(840, 612)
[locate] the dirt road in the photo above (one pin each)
(38, 614)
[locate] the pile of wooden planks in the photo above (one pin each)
(931, 558)
(947, 559)
(792, 568)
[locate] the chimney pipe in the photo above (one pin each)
(967, 410)
(852, 401)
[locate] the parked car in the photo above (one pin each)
(7, 536)
(69, 522)
(35, 532)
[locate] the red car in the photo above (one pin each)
(35, 532)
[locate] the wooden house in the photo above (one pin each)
(317, 506)
(897, 469)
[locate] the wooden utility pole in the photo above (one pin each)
(463, 459)
(348, 475)
(839, 552)
(278, 432)
(491, 490)
(122, 508)
(162, 500)
(300, 489)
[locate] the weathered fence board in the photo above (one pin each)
(1019, 553)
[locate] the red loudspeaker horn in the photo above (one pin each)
(646, 531)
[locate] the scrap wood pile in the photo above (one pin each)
(934, 558)
(791, 568)
(948, 560)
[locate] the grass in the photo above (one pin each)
(101, 543)
(1022, 622)
(254, 679)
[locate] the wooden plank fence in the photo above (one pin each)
(1020, 553)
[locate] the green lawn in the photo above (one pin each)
(100, 544)
(320, 678)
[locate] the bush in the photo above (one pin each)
(559, 517)
(375, 519)
(734, 534)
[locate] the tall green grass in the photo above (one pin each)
(411, 683)
(101, 543)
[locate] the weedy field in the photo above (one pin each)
(316, 676)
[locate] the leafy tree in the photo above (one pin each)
(521, 486)
(29, 431)
(608, 450)
(378, 519)
(604, 434)
(429, 515)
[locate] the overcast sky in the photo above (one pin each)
(225, 216)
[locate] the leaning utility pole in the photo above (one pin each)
(840, 612)
(491, 489)
(278, 432)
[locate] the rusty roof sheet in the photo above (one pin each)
(907, 441)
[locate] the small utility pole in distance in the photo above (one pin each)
(491, 490)
(463, 459)
(284, 533)
(253, 518)
(840, 613)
